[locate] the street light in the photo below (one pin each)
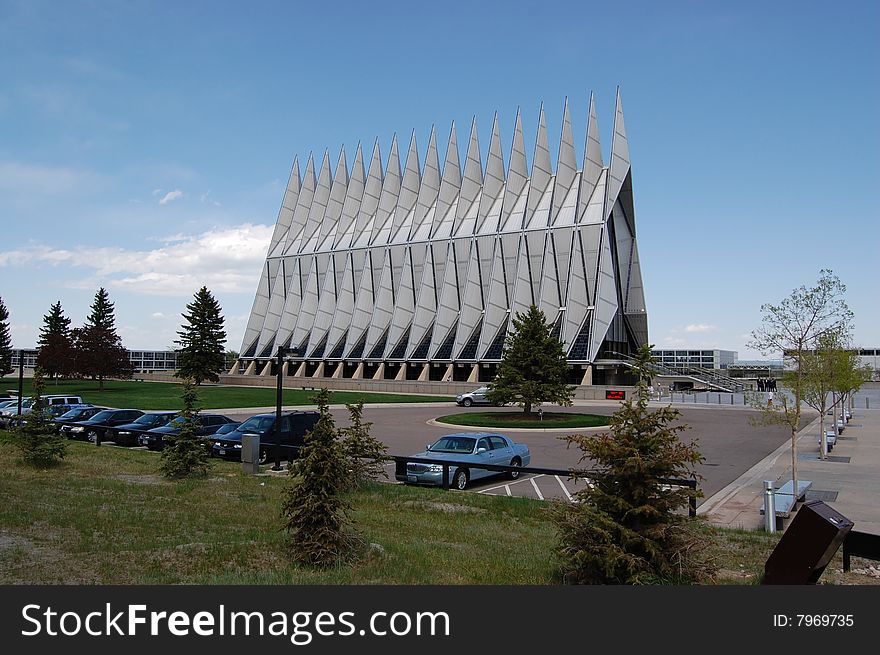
(279, 373)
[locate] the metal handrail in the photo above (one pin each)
(400, 462)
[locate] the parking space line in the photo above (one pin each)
(537, 491)
(507, 489)
(568, 495)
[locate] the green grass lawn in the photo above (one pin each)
(106, 516)
(163, 395)
(520, 420)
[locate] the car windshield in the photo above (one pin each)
(257, 424)
(102, 416)
(453, 445)
(229, 427)
(153, 419)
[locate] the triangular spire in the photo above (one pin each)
(303, 204)
(334, 208)
(566, 165)
(430, 187)
(352, 204)
(592, 160)
(409, 193)
(450, 186)
(370, 201)
(542, 170)
(517, 176)
(388, 198)
(619, 166)
(493, 183)
(471, 184)
(288, 204)
(318, 208)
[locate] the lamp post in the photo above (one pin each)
(279, 374)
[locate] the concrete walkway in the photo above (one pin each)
(848, 481)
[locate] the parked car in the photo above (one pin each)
(8, 414)
(50, 413)
(75, 414)
(129, 434)
(471, 447)
(98, 424)
(294, 426)
(158, 438)
(830, 439)
(475, 397)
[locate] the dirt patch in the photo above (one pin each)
(449, 508)
(142, 479)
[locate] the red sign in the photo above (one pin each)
(611, 394)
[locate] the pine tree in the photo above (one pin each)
(5, 342)
(98, 349)
(39, 446)
(366, 455)
(55, 344)
(315, 516)
(533, 366)
(625, 526)
(187, 456)
(202, 355)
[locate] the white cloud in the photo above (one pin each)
(700, 327)
(157, 315)
(171, 195)
(225, 260)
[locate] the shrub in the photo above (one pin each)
(625, 527)
(187, 456)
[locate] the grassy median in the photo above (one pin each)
(549, 420)
(165, 395)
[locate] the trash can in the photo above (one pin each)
(806, 548)
(250, 453)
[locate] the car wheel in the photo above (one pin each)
(499, 404)
(467, 402)
(92, 436)
(460, 481)
(513, 475)
(263, 456)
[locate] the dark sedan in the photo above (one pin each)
(96, 427)
(294, 426)
(158, 438)
(76, 414)
(129, 434)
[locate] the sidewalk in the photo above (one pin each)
(848, 481)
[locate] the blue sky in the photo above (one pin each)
(144, 146)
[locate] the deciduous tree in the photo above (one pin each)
(793, 328)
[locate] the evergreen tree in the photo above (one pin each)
(5, 342)
(202, 355)
(39, 446)
(533, 366)
(55, 344)
(624, 527)
(315, 516)
(366, 455)
(98, 349)
(187, 456)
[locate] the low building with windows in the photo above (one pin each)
(709, 359)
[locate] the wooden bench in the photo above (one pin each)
(784, 499)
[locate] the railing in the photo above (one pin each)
(860, 544)
(401, 461)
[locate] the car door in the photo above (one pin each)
(479, 457)
(480, 395)
(501, 451)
